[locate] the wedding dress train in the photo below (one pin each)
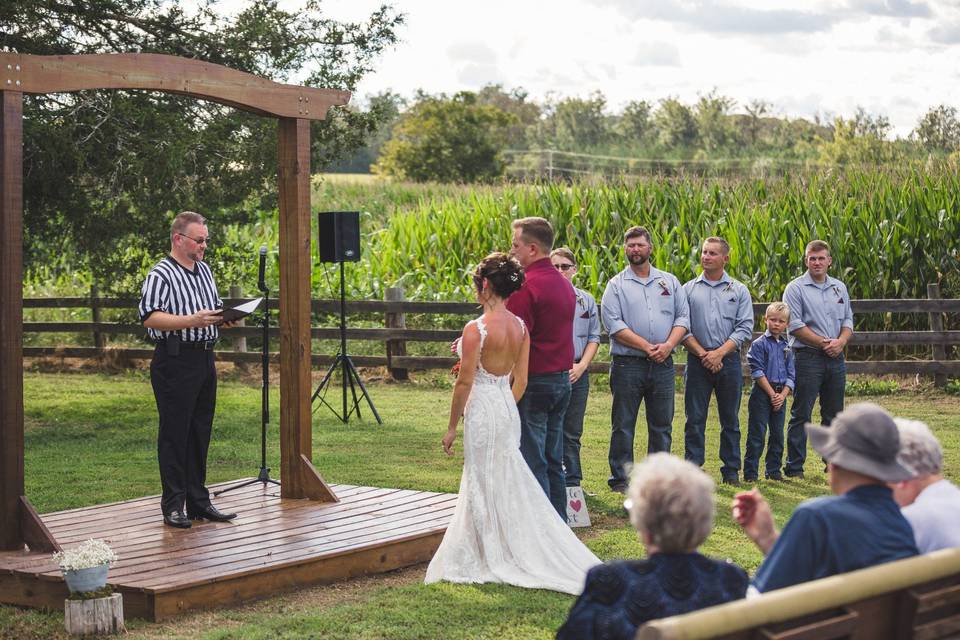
(504, 528)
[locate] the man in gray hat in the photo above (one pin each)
(859, 527)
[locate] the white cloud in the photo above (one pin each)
(475, 76)
(714, 17)
(472, 51)
(657, 54)
(892, 8)
(946, 33)
(895, 57)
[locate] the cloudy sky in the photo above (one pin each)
(895, 57)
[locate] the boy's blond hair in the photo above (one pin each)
(779, 308)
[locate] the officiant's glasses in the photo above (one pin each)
(564, 267)
(203, 241)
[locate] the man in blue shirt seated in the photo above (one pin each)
(859, 527)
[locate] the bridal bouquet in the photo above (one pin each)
(455, 350)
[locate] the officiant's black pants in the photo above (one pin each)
(185, 386)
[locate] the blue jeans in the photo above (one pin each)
(573, 429)
(542, 408)
(761, 414)
(727, 384)
(818, 375)
(632, 380)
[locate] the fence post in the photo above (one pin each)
(550, 165)
(396, 321)
(936, 324)
(240, 342)
(95, 308)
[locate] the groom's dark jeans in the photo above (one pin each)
(542, 408)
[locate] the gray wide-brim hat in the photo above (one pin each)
(863, 438)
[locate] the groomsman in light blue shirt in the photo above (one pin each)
(646, 314)
(821, 321)
(721, 320)
(586, 342)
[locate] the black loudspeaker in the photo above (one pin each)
(338, 236)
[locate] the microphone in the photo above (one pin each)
(261, 283)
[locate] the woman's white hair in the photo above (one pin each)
(919, 449)
(672, 501)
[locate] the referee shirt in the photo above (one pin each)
(172, 288)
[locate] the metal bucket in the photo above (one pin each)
(90, 579)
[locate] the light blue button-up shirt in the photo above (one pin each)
(823, 307)
(650, 307)
(586, 323)
(719, 311)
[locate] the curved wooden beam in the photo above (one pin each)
(169, 74)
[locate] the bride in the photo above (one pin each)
(504, 528)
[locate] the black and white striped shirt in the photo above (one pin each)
(173, 289)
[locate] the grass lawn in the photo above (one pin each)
(90, 438)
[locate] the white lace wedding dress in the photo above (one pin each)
(504, 528)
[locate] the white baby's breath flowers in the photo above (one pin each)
(92, 553)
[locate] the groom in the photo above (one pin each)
(546, 303)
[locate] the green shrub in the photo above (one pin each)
(870, 387)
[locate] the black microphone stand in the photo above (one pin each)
(264, 475)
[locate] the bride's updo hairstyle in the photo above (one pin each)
(501, 271)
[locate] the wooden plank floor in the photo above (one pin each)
(273, 545)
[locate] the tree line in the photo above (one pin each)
(464, 136)
(110, 168)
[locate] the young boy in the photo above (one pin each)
(772, 369)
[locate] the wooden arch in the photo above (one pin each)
(295, 107)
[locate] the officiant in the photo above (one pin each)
(181, 310)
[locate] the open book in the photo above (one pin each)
(242, 311)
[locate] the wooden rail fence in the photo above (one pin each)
(395, 335)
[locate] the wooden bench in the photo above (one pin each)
(916, 598)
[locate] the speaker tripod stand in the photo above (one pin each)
(348, 376)
(264, 475)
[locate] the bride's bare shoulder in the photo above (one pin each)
(517, 323)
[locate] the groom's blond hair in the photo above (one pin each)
(537, 231)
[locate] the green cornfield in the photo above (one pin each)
(891, 232)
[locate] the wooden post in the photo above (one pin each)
(97, 318)
(240, 342)
(97, 616)
(396, 321)
(936, 324)
(11, 318)
(299, 478)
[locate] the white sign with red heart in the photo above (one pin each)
(577, 515)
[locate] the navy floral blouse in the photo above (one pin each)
(620, 596)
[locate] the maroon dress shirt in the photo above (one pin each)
(546, 303)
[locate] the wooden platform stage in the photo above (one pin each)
(274, 545)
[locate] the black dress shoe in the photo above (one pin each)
(210, 512)
(176, 519)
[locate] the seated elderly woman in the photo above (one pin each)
(672, 507)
